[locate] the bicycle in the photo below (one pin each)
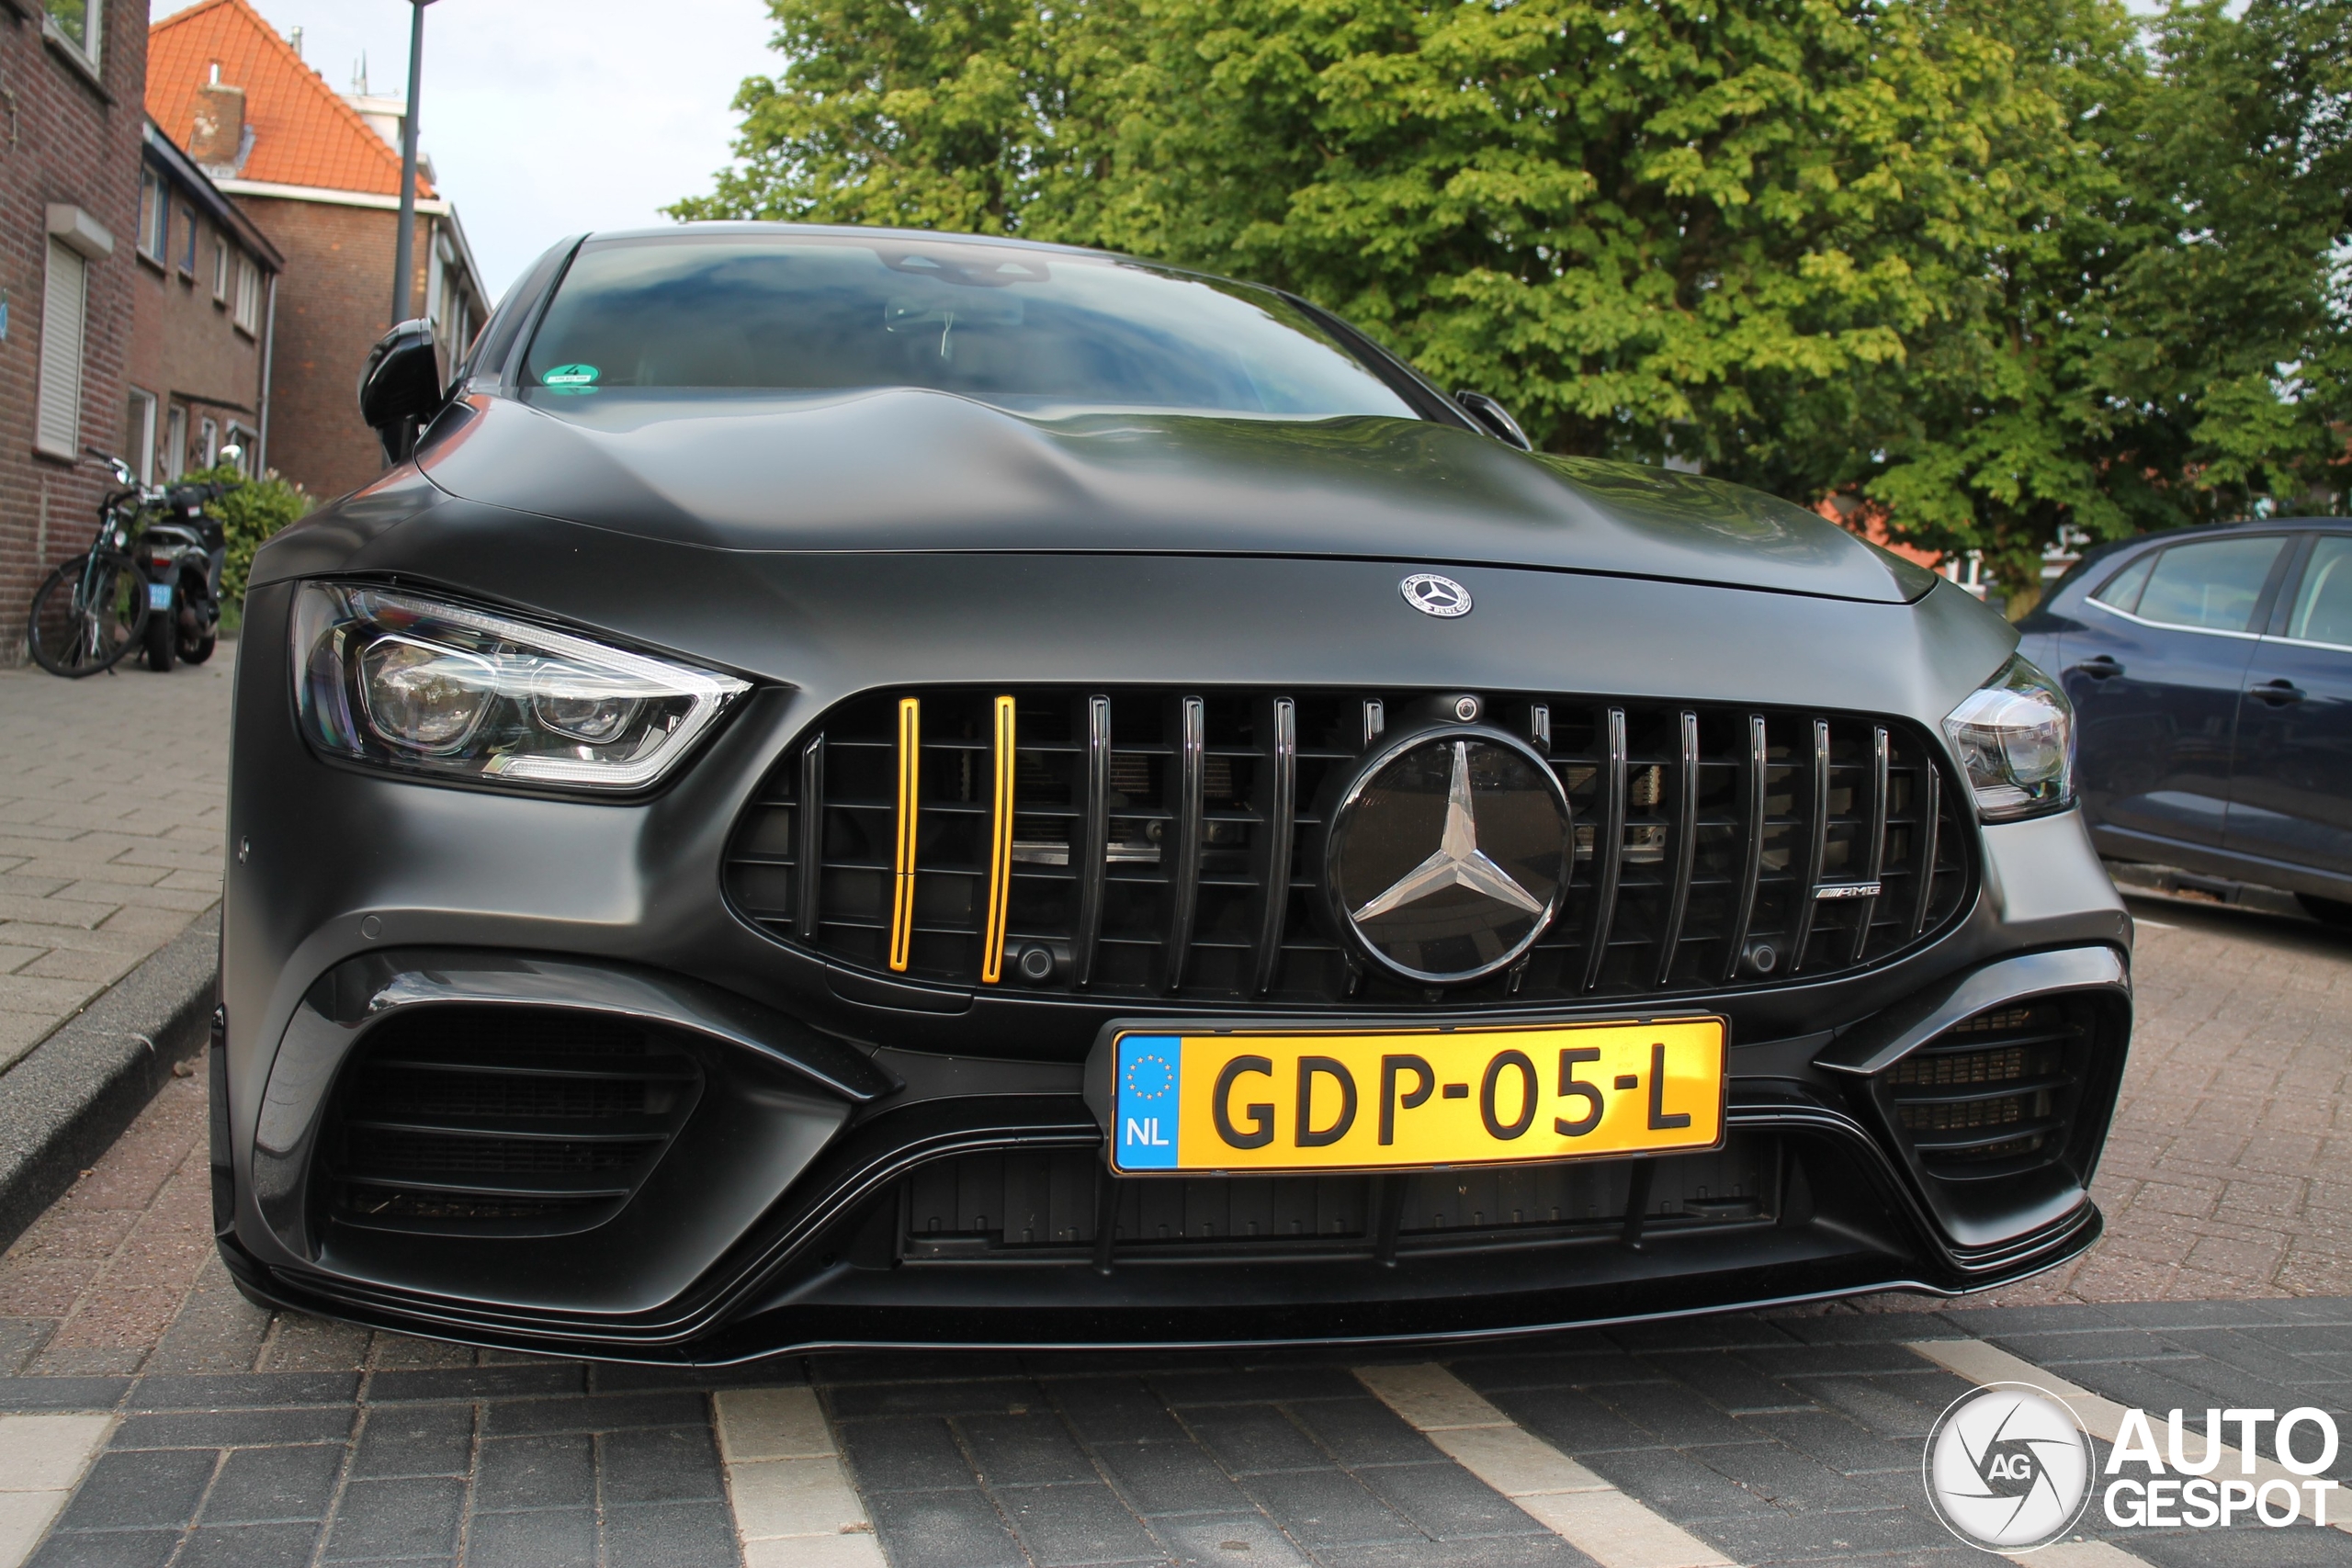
(93, 610)
(151, 581)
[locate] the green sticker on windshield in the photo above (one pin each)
(570, 376)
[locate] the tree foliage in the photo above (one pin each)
(250, 512)
(1997, 269)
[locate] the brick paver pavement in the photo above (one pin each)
(112, 803)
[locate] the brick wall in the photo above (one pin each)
(187, 348)
(334, 302)
(63, 138)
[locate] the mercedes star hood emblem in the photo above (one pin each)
(1435, 595)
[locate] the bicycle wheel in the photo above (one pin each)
(88, 614)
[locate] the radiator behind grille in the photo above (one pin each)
(1995, 1094)
(1162, 844)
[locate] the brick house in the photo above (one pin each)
(73, 73)
(322, 182)
(203, 291)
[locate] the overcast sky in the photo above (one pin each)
(546, 117)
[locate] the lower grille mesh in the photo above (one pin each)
(479, 1121)
(1038, 1204)
(1995, 1094)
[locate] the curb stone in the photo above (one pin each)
(66, 1100)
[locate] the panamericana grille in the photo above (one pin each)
(1039, 1204)
(475, 1120)
(1995, 1093)
(1163, 843)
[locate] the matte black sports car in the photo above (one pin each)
(853, 786)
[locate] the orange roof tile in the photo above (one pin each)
(304, 133)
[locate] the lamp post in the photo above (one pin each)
(404, 248)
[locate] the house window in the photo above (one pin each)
(64, 296)
(188, 241)
(139, 435)
(208, 442)
(81, 23)
(154, 216)
(219, 272)
(242, 440)
(176, 444)
(248, 312)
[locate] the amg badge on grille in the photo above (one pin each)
(1449, 853)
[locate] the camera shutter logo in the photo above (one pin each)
(2008, 1468)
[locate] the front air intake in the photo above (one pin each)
(1163, 843)
(1996, 1093)
(1049, 1206)
(498, 1122)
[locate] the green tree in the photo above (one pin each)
(2161, 343)
(1997, 270)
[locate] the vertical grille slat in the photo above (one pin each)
(1165, 842)
(1278, 811)
(1607, 844)
(809, 839)
(1930, 820)
(1754, 796)
(1875, 868)
(1090, 862)
(1817, 847)
(1184, 842)
(1685, 844)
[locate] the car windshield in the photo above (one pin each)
(1026, 330)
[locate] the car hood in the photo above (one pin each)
(915, 471)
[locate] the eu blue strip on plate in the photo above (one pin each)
(1146, 1100)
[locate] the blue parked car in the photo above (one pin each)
(2211, 676)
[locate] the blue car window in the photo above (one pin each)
(1028, 331)
(2212, 585)
(2324, 605)
(2121, 592)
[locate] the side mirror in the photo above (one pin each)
(402, 387)
(1495, 419)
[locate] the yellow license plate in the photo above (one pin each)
(1369, 1100)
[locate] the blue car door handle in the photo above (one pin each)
(2278, 693)
(2100, 667)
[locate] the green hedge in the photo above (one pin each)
(251, 513)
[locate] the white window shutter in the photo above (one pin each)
(64, 299)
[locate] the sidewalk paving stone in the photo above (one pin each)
(100, 838)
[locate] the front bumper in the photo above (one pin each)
(781, 1211)
(789, 1208)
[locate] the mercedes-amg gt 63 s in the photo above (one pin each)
(861, 787)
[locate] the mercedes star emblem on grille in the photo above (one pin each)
(1435, 595)
(1449, 853)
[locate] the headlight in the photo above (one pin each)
(412, 683)
(2015, 736)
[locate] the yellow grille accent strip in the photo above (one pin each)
(1000, 851)
(902, 900)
